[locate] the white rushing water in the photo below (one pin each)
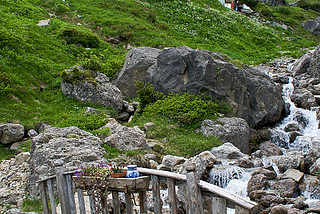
(235, 179)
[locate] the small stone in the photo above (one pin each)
(294, 174)
(43, 22)
(148, 126)
(280, 209)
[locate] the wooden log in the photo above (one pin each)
(62, 187)
(91, 201)
(172, 198)
(238, 200)
(143, 202)
(157, 207)
(44, 198)
(82, 207)
(193, 192)
(240, 210)
(116, 202)
(219, 205)
(128, 200)
(51, 196)
(105, 203)
(70, 194)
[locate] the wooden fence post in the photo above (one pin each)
(51, 196)
(219, 205)
(240, 210)
(82, 207)
(172, 198)
(193, 192)
(44, 197)
(62, 187)
(71, 199)
(157, 207)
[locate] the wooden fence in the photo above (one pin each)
(62, 185)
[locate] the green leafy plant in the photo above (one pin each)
(111, 152)
(82, 37)
(32, 205)
(186, 108)
(147, 94)
(25, 146)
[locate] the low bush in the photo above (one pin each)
(146, 94)
(186, 108)
(82, 37)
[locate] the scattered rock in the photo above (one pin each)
(90, 110)
(294, 174)
(287, 188)
(10, 133)
(279, 209)
(315, 168)
(303, 98)
(313, 26)
(32, 133)
(269, 149)
(227, 151)
(290, 160)
(257, 182)
(43, 22)
(148, 126)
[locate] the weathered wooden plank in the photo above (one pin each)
(44, 198)
(219, 205)
(116, 202)
(128, 184)
(91, 201)
(82, 208)
(62, 187)
(104, 203)
(143, 202)
(70, 194)
(240, 210)
(51, 196)
(193, 192)
(238, 200)
(157, 206)
(128, 200)
(172, 198)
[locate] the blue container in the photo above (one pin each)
(132, 171)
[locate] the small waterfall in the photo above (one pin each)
(221, 175)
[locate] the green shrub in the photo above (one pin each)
(76, 75)
(101, 133)
(25, 146)
(5, 153)
(82, 37)
(186, 108)
(61, 9)
(32, 205)
(111, 152)
(147, 94)
(9, 39)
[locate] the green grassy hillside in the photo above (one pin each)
(98, 33)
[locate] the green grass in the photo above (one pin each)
(175, 138)
(32, 57)
(32, 205)
(5, 153)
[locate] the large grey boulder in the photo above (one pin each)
(290, 160)
(98, 91)
(252, 94)
(71, 145)
(125, 138)
(301, 66)
(313, 26)
(234, 130)
(10, 133)
(135, 67)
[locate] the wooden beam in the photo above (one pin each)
(51, 196)
(172, 197)
(44, 198)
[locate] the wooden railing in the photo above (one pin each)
(195, 189)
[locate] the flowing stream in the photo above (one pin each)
(302, 121)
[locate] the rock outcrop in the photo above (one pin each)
(98, 91)
(135, 67)
(71, 145)
(252, 95)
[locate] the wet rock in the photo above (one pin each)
(292, 127)
(125, 138)
(291, 160)
(227, 151)
(287, 188)
(294, 174)
(303, 98)
(270, 149)
(314, 69)
(279, 209)
(315, 168)
(244, 163)
(294, 211)
(233, 130)
(313, 153)
(257, 182)
(10, 133)
(257, 194)
(310, 186)
(267, 200)
(135, 67)
(293, 136)
(264, 134)
(270, 175)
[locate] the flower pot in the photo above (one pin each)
(119, 175)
